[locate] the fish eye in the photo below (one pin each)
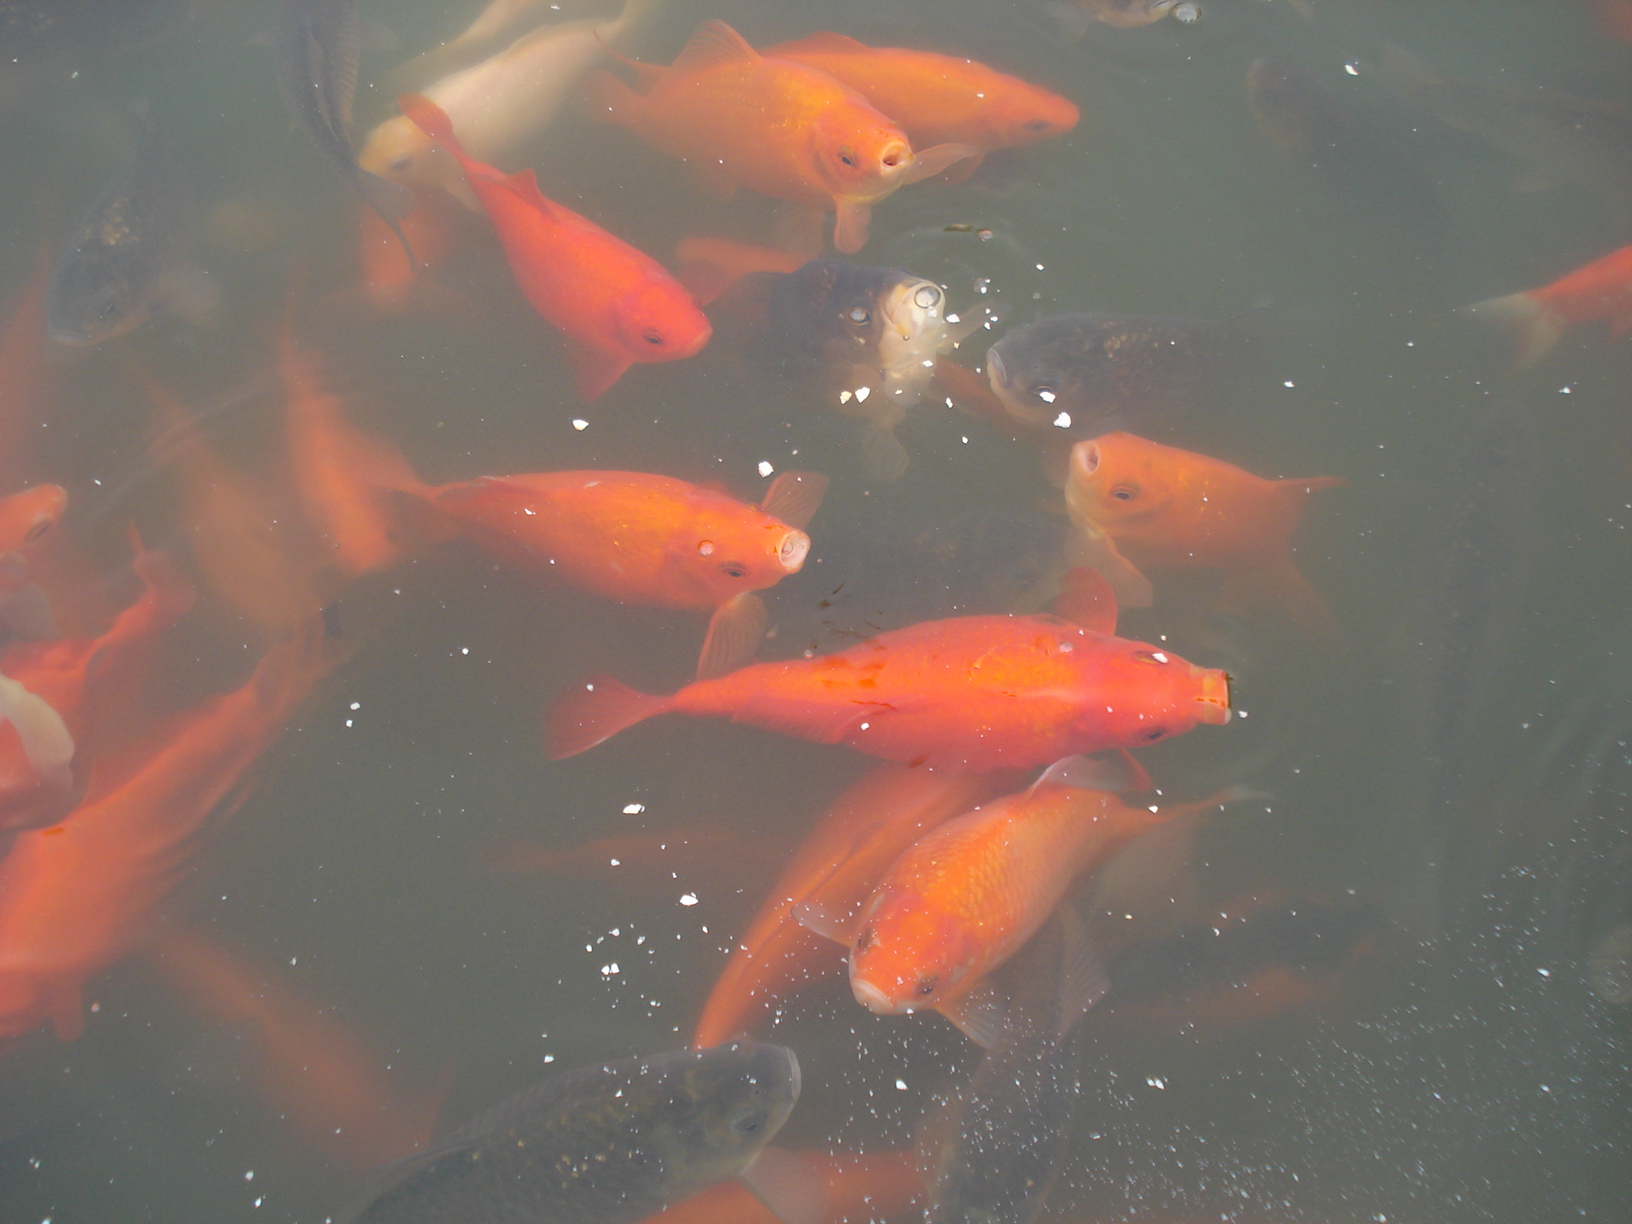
(1037, 125)
(926, 986)
(733, 569)
(847, 157)
(1124, 492)
(705, 548)
(1156, 733)
(402, 163)
(748, 1120)
(865, 939)
(1046, 392)
(861, 316)
(652, 336)
(927, 296)
(38, 530)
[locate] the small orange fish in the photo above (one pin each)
(968, 894)
(742, 119)
(1538, 318)
(28, 515)
(939, 98)
(862, 832)
(852, 1190)
(312, 1067)
(615, 305)
(967, 694)
(76, 896)
(1137, 504)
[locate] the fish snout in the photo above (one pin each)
(1214, 696)
(1086, 458)
(871, 997)
(795, 548)
(895, 158)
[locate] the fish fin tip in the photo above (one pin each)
(882, 456)
(597, 710)
(1083, 978)
(734, 633)
(1087, 599)
(794, 497)
(959, 172)
(1098, 552)
(790, 1185)
(819, 920)
(1114, 773)
(927, 163)
(715, 43)
(979, 1014)
(1534, 326)
(850, 224)
(825, 40)
(594, 371)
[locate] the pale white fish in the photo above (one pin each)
(499, 19)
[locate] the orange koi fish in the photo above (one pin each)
(785, 130)
(938, 98)
(1137, 504)
(312, 1068)
(967, 895)
(76, 896)
(865, 829)
(967, 694)
(851, 1190)
(1538, 318)
(615, 305)
(28, 515)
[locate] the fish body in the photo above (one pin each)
(608, 1144)
(76, 896)
(315, 47)
(866, 337)
(967, 694)
(616, 305)
(1600, 291)
(836, 869)
(776, 127)
(1082, 370)
(500, 105)
(126, 261)
(1139, 504)
(938, 99)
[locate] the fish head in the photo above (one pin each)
(908, 955)
(399, 151)
(1115, 480)
(26, 516)
(912, 332)
(92, 299)
(859, 154)
(657, 320)
(1135, 694)
(1025, 114)
(729, 549)
(1044, 369)
(727, 1103)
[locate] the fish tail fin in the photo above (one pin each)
(596, 711)
(609, 100)
(1533, 325)
(1280, 587)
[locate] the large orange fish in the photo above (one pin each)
(969, 893)
(865, 829)
(1139, 504)
(742, 119)
(851, 1190)
(76, 896)
(615, 305)
(938, 98)
(968, 694)
(1537, 318)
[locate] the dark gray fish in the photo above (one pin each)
(864, 337)
(1557, 139)
(1008, 1130)
(1349, 158)
(40, 27)
(127, 260)
(601, 1145)
(1137, 369)
(315, 49)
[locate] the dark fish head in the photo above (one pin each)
(1041, 370)
(92, 297)
(727, 1103)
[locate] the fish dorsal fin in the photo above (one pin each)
(824, 43)
(1089, 773)
(714, 45)
(794, 497)
(1087, 599)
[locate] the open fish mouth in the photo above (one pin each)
(914, 306)
(795, 547)
(1214, 697)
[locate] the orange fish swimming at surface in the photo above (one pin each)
(1537, 319)
(1139, 504)
(966, 694)
(938, 99)
(615, 305)
(742, 119)
(968, 894)
(76, 896)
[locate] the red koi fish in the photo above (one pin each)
(615, 305)
(77, 896)
(968, 694)
(1600, 291)
(836, 869)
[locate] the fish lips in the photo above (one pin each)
(914, 306)
(794, 549)
(1214, 697)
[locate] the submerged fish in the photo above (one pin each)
(1078, 371)
(126, 261)
(315, 47)
(866, 336)
(608, 1144)
(1537, 319)
(1129, 14)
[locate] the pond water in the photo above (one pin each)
(384, 880)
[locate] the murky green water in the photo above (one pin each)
(1483, 1082)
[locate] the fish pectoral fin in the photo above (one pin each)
(1097, 551)
(818, 919)
(980, 1014)
(1116, 773)
(790, 1185)
(960, 170)
(882, 455)
(1277, 586)
(851, 224)
(1087, 599)
(926, 163)
(794, 497)
(594, 370)
(1083, 980)
(734, 634)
